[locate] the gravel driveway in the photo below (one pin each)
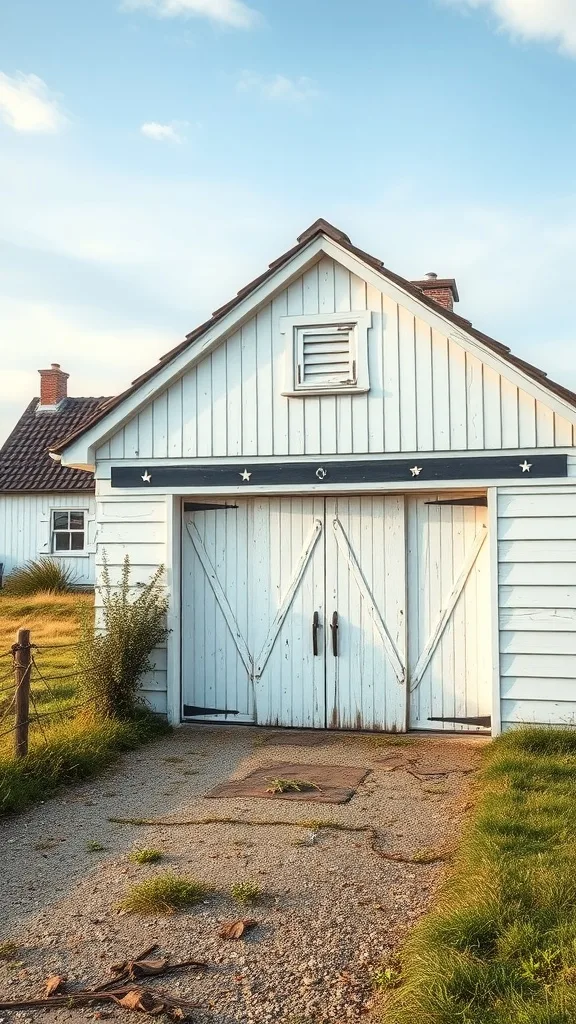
(331, 907)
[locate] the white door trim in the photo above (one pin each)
(391, 650)
(446, 612)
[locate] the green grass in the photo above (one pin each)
(245, 892)
(163, 895)
(70, 745)
(500, 945)
(147, 855)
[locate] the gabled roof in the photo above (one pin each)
(25, 464)
(323, 227)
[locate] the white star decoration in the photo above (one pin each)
(416, 470)
(525, 466)
(246, 475)
(146, 477)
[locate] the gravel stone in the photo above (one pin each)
(330, 908)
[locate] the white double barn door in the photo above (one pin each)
(295, 613)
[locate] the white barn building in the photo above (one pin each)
(366, 508)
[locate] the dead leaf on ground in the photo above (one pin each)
(236, 929)
(54, 985)
(142, 1000)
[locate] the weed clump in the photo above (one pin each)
(245, 892)
(163, 895)
(147, 855)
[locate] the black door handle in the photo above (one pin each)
(334, 628)
(315, 628)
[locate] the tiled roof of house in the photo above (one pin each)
(323, 227)
(25, 464)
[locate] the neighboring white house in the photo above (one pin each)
(45, 508)
(366, 507)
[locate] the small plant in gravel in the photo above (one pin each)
(385, 978)
(173, 760)
(163, 895)
(245, 892)
(93, 846)
(290, 786)
(147, 855)
(8, 950)
(426, 855)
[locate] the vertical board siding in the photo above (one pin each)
(136, 527)
(537, 604)
(426, 393)
(25, 530)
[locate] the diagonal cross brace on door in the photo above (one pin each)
(255, 666)
(392, 651)
(446, 612)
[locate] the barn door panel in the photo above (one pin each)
(216, 660)
(366, 588)
(286, 566)
(449, 622)
(252, 577)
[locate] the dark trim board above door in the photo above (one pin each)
(418, 470)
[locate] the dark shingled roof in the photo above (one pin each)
(323, 227)
(25, 464)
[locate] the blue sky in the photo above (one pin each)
(155, 155)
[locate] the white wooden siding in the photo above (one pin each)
(136, 527)
(25, 530)
(426, 392)
(537, 601)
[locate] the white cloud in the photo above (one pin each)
(228, 12)
(27, 105)
(546, 20)
(164, 132)
(277, 87)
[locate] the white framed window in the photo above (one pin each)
(68, 531)
(327, 353)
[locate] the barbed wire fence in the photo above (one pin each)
(25, 689)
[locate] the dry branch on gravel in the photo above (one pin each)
(373, 834)
(120, 990)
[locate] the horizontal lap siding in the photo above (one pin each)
(537, 605)
(136, 527)
(426, 392)
(25, 530)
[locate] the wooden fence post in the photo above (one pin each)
(22, 670)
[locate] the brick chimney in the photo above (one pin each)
(53, 386)
(442, 290)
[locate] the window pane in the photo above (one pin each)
(61, 542)
(60, 520)
(76, 520)
(77, 541)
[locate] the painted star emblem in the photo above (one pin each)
(246, 475)
(525, 466)
(416, 470)
(146, 477)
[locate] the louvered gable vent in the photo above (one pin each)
(325, 356)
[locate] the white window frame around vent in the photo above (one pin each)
(296, 328)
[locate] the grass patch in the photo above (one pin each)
(73, 751)
(145, 856)
(500, 945)
(8, 950)
(163, 895)
(245, 892)
(70, 745)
